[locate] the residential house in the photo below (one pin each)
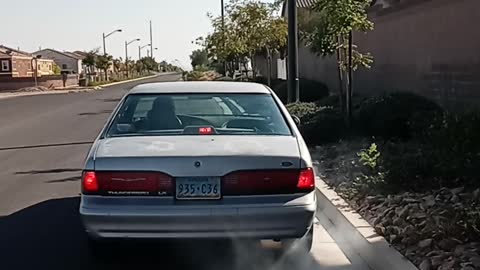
(69, 63)
(425, 46)
(45, 67)
(15, 63)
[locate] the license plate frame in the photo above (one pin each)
(198, 182)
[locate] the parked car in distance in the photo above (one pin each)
(199, 160)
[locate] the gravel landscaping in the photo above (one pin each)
(435, 229)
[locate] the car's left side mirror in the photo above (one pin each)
(296, 119)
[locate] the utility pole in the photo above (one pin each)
(140, 48)
(151, 37)
(293, 82)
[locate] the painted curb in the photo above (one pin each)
(137, 79)
(53, 92)
(351, 230)
(132, 80)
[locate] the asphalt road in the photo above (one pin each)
(43, 141)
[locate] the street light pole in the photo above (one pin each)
(140, 48)
(126, 53)
(293, 82)
(104, 47)
(151, 37)
(105, 37)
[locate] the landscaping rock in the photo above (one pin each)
(457, 190)
(437, 260)
(429, 200)
(475, 261)
(448, 265)
(425, 243)
(425, 265)
(447, 244)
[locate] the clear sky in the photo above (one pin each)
(69, 25)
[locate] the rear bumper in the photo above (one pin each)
(267, 221)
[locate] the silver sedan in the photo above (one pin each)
(204, 160)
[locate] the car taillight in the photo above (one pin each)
(131, 183)
(89, 182)
(264, 182)
(306, 180)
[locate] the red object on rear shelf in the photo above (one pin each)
(132, 183)
(205, 131)
(264, 182)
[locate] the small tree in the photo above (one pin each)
(89, 60)
(329, 32)
(104, 62)
(249, 27)
(199, 58)
(56, 69)
(259, 27)
(149, 63)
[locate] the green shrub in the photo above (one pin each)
(445, 154)
(394, 115)
(225, 79)
(303, 110)
(373, 175)
(325, 126)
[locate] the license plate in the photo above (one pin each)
(188, 188)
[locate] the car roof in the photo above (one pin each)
(200, 87)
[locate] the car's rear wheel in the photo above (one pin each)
(303, 244)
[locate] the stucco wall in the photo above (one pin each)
(46, 81)
(431, 47)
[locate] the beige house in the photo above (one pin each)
(45, 67)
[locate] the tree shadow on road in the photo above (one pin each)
(59, 170)
(66, 179)
(109, 99)
(96, 113)
(49, 235)
(20, 147)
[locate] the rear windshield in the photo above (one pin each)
(198, 114)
